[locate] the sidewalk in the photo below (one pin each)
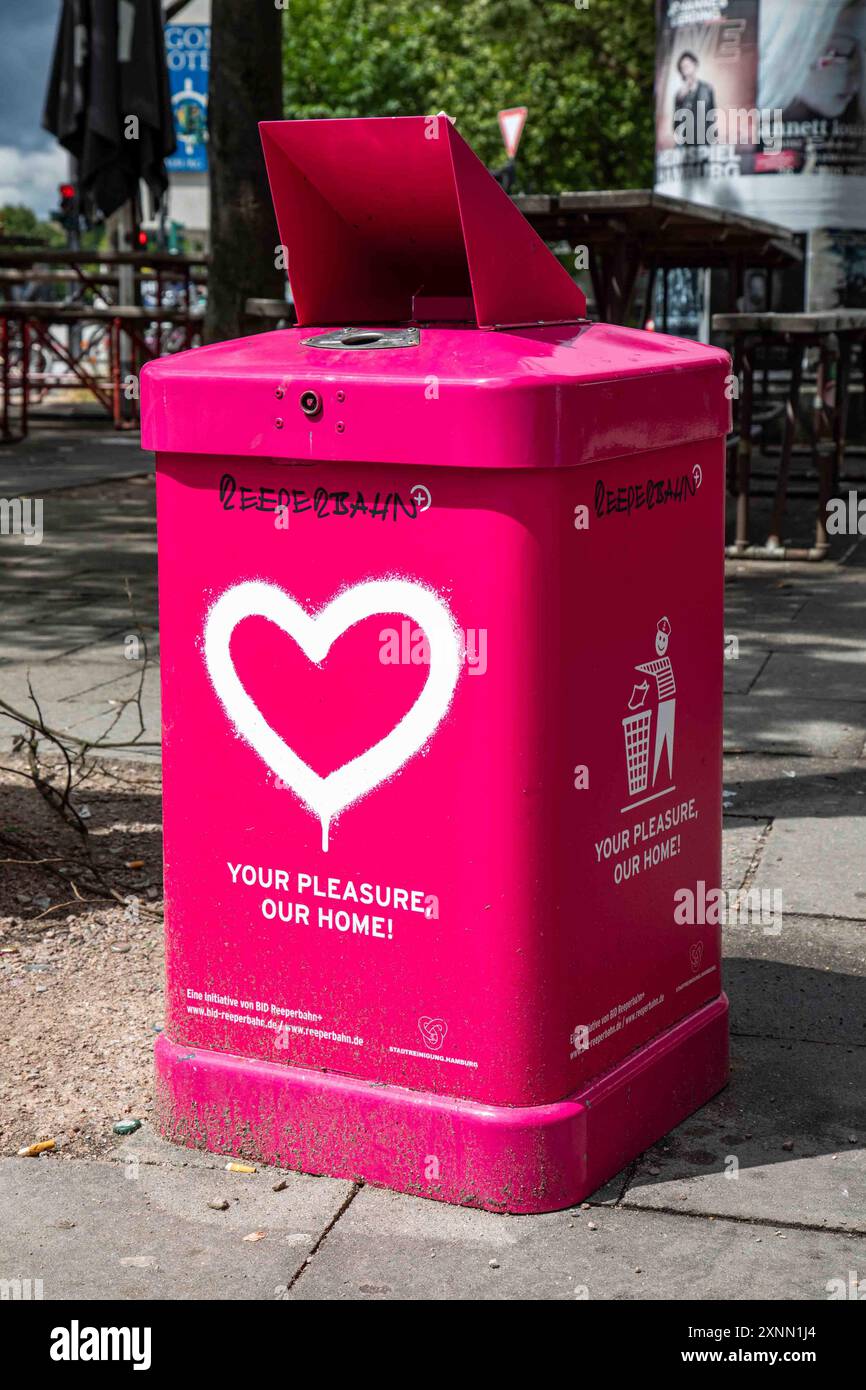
(762, 1194)
(70, 603)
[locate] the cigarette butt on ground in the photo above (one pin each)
(240, 1168)
(34, 1150)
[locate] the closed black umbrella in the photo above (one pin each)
(108, 98)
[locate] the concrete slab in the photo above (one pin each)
(828, 618)
(80, 698)
(74, 679)
(766, 786)
(75, 585)
(747, 608)
(808, 728)
(838, 611)
(807, 1095)
(742, 671)
(62, 635)
(99, 1230)
(51, 460)
(823, 673)
(819, 864)
(387, 1248)
(65, 603)
(807, 984)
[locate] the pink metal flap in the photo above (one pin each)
(378, 212)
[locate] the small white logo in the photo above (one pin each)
(421, 497)
(637, 726)
(433, 1031)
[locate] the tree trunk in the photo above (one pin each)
(245, 88)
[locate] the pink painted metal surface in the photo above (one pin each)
(520, 1159)
(524, 398)
(373, 212)
(442, 726)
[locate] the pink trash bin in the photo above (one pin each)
(441, 629)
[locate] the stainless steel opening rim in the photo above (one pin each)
(358, 339)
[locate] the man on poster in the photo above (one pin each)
(694, 96)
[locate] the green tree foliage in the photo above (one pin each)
(19, 221)
(585, 71)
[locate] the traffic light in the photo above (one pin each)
(67, 213)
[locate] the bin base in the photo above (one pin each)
(517, 1159)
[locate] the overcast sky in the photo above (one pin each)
(31, 161)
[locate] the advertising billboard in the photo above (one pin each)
(760, 108)
(187, 48)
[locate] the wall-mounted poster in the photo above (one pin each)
(706, 71)
(837, 269)
(760, 108)
(187, 48)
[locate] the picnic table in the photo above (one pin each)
(10, 280)
(32, 321)
(104, 267)
(835, 335)
(630, 232)
(122, 328)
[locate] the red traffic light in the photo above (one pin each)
(67, 190)
(142, 238)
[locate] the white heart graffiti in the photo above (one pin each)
(315, 634)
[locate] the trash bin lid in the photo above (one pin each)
(562, 395)
(377, 211)
(435, 327)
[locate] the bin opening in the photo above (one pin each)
(364, 339)
(359, 337)
(394, 220)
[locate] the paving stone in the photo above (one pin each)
(65, 602)
(823, 674)
(822, 624)
(766, 786)
(809, 1093)
(56, 637)
(742, 671)
(836, 610)
(390, 1247)
(806, 984)
(83, 700)
(160, 1218)
(46, 461)
(755, 724)
(819, 864)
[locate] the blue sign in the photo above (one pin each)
(187, 51)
